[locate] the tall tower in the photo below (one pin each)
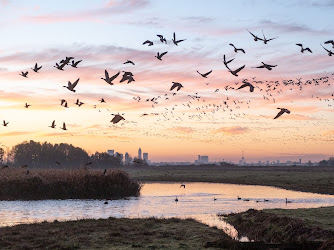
(139, 153)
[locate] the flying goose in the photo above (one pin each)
(176, 41)
(247, 84)
(236, 50)
(235, 72)
(5, 123)
(159, 56)
(176, 84)
(330, 53)
(255, 37)
(117, 118)
(64, 126)
(162, 39)
(302, 48)
(53, 125)
(267, 66)
(331, 42)
(75, 64)
(205, 74)
(110, 79)
(148, 42)
(128, 61)
(36, 68)
(24, 74)
(70, 86)
(283, 110)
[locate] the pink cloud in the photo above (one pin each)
(231, 130)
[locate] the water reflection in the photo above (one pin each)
(158, 199)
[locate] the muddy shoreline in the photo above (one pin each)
(279, 231)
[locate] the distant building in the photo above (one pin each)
(120, 156)
(139, 153)
(145, 157)
(204, 159)
(127, 156)
(111, 152)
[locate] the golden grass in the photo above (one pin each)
(65, 184)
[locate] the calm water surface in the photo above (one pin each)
(158, 199)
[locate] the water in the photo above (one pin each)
(158, 200)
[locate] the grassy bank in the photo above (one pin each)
(114, 234)
(280, 225)
(16, 184)
(308, 179)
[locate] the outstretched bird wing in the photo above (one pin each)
(279, 113)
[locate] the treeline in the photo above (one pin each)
(66, 156)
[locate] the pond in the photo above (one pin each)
(201, 201)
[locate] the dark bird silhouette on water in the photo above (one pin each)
(104, 172)
(247, 84)
(117, 118)
(159, 56)
(183, 185)
(236, 50)
(70, 86)
(110, 79)
(205, 74)
(330, 53)
(283, 110)
(128, 61)
(24, 74)
(36, 68)
(176, 41)
(58, 162)
(150, 43)
(264, 65)
(302, 48)
(53, 125)
(176, 199)
(176, 85)
(75, 64)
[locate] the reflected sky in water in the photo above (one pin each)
(158, 199)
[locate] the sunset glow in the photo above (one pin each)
(208, 116)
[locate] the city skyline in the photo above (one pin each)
(208, 116)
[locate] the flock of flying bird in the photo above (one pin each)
(227, 104)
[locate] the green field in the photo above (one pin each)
(308, 179)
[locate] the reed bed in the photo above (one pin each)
(39, 184)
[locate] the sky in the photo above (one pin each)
(208, 116)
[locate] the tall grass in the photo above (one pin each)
(16, 184)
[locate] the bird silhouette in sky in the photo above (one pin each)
(302, 49)
(75, 64)
(247, 84)
(176, 85)
(205, 74)
(176, 41)
(36, 68)
(236, 50)
(117, 118)
(24, 74)
(70, 86)
(283, 110)
(110, 79)
(159, 56)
